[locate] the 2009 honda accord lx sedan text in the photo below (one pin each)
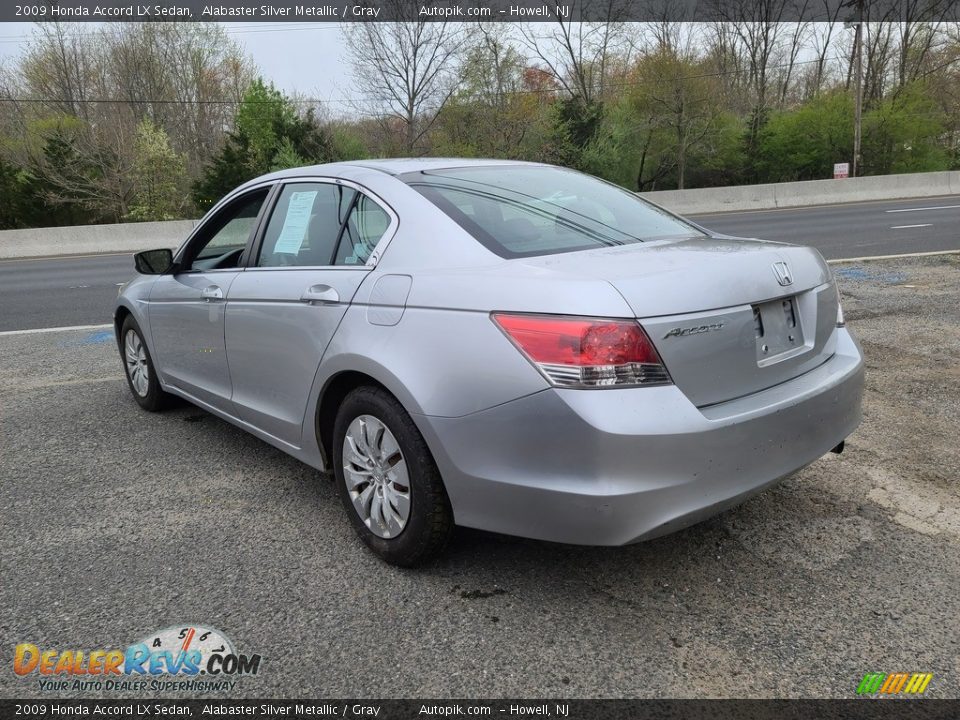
(507, 346)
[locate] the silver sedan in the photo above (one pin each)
(507, 346)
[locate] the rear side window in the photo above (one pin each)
(305, 225)
(523, 211)
(366, 224)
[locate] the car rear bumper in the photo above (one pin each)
(611, 467)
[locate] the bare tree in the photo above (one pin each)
(80, 95)
(679, 100)
(757, 27)
(795, 41)
(725, 56)
(62, 67)
(822, 36)
(405, 70)
(185, 77)
(880, 46)
(920, 36)
(87, 165)
(578, 54)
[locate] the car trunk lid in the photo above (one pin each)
(729, 317)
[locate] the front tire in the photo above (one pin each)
(387, 480)
(138, 368)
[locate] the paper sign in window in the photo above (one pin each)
(295, 223)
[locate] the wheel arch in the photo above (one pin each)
(352, 372)
(119, 316)
(331, 397)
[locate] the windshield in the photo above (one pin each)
(522, 211)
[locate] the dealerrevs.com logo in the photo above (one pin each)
(185, 657)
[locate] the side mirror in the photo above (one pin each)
(153, 262)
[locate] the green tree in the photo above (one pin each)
(573, 126)
(286, 157)
(678, 97)
(84, 180)
(159, 175)
(14, 209)
(347, 142)
(268, 134)
(902, 134)
(666, 129)
(803, 144)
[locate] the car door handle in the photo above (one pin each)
(211, 292)
(320, 294)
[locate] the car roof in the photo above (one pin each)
(390, 166)
(399, 166)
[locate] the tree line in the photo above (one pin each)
(156, 121)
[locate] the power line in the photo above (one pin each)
(163, 101)
(321, 101)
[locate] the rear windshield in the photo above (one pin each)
(520, 211)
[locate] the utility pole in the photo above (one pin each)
(858, 82)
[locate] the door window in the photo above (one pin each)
(322, 224)
(365, 225)
(305, 225)
(223, 243)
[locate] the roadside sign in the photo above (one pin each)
(841, 170)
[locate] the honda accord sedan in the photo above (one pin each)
(508, 346)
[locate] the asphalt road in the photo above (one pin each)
(117, 522)
(79, 291)
(855, 229)
(60, 292)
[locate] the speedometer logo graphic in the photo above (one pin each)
(183, 639)
(189, 649)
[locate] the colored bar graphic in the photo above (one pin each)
(894, 683)
(871, 683)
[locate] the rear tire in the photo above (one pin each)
(139, 370)
(387, 480)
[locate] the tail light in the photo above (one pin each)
(586, 352)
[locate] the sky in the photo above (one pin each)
(308, 58)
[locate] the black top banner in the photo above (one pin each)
(481, 11)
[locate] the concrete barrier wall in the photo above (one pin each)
(811, 192)
(133, 237)
(87, 239)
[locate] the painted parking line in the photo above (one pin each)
(918, 209)
(36, 331)
(901, 227)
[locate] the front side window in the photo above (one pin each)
(524, 211)
(223, 243)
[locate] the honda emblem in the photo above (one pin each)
(782, 271)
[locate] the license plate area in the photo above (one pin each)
(779, 332)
